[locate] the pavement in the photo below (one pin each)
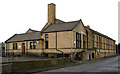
(105, 65)
(101, 65)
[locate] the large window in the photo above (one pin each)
(97, 41)
(100, 42)
(78, 40)
(94, 41)
(84, 44)
(46, 41)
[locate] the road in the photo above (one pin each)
(108, 65)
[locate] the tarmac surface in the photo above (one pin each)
(110, 65)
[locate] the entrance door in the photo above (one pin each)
(46, 44)
(23, 48)
(89, 56)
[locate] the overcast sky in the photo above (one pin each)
(17, 16)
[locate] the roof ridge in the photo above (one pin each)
(27, 33)
(32, 29)
(100, 33)
(66, 22)
(25, 36)
(72, 21)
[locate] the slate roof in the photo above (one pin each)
(25, 37)
(67, 26)
(100, 33)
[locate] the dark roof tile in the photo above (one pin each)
(61, 26)
(100, 33)
(25, 37)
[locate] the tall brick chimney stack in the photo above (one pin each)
(51, 13)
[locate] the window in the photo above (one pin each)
(100, 42)
(46, 37)
(84, 42)
(92, 55)
(104, 45)
(30, 45)
(97, 41)
(14, 45)
(46, 41)
(78, 37)
(34, 45)
(78, 40)
(94, 41)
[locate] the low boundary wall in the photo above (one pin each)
(17, 66)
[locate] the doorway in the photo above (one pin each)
(89, 57)
(78, 56)
(46, 44)
(23, 48)
(92, 55)
(46, 41)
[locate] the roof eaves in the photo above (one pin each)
(58, 31)
(24, 40)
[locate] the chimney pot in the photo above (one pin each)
(88, 26)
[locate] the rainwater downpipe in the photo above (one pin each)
(56, 45)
